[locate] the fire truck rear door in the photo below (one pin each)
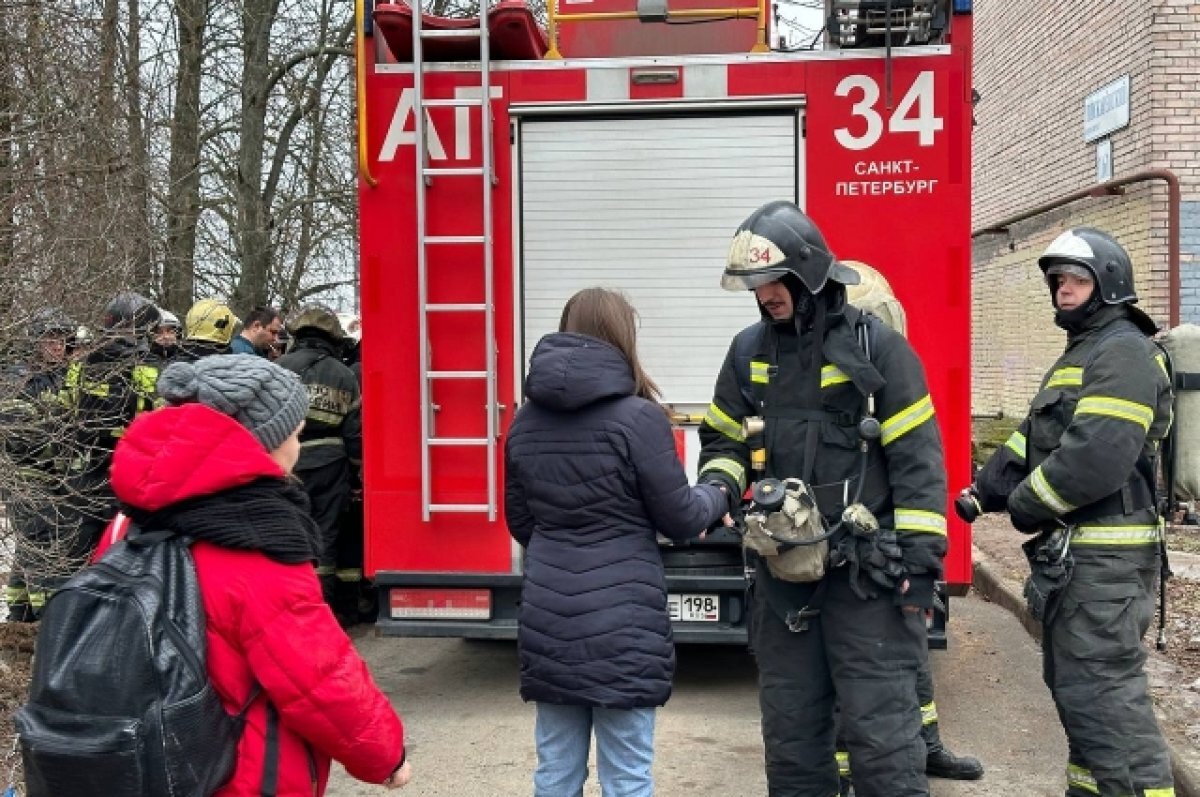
(647, 203)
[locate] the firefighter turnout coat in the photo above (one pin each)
(1086, 452)
(333, 426)
(816, 418)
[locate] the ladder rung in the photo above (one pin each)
(458, 374)
(452, 33)
(455, 308)
(455, 239)
(465, 171)
(459, 508)
(458, 441)
(458, 102)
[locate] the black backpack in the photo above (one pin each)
(120, 704)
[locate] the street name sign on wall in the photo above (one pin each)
(1106, 109)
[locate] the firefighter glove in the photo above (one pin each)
(919, 593)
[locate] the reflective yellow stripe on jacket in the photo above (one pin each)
(145, 380)
(832, 375)
(719, 420)
(1121, 409)
(1126, 535)
(325, 416)
(730, 467)
(1016, 443)
(1070, 376)
(1046, 494)
(907, 419)
(920, 520)
(323, 441)
(759, 372)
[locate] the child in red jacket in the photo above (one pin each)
(216, 466)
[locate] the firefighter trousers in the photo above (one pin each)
(929, 717)
(55, 537)
(864, 653)
(328, 488)
(1093, 663)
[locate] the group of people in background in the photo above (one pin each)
(255, 456)
(68, 401)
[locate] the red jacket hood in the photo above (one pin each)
(176, 453)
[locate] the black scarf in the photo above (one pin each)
(269, 515)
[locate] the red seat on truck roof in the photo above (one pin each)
(513, 33)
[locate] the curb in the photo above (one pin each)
(1000, 591)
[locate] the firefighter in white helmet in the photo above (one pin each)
(164, 341)
(846, 410)
(1079, 473)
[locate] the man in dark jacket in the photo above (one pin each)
(101, 395)
(1079, 473)
(260, 333)
(845, 409)
(331, 443)
(34, 443)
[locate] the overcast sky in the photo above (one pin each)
(800, 20)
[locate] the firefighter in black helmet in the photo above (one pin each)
(1079, 473)
(845, 408)
(33, 443)
(101, 394)
(331, 443)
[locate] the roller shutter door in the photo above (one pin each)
(648, 205)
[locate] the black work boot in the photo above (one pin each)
(21, 613)
(941, 763)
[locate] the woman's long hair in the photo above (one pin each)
(608, 316)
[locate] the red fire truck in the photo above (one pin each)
(501, 171)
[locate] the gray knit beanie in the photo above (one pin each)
(268, 400)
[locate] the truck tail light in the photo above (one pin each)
(448, 604)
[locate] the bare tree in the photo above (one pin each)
(184, 169)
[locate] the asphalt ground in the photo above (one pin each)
(470, 735)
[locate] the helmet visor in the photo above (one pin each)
(1056, 267)
(749, 280)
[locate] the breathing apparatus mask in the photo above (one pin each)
(784, 523)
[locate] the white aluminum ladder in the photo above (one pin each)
(425, 177)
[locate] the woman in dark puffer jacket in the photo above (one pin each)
(591, 475)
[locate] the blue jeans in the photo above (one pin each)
(624, 750)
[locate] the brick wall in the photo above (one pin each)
(1034, 65)
(1014, 339)
(1175, 136)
